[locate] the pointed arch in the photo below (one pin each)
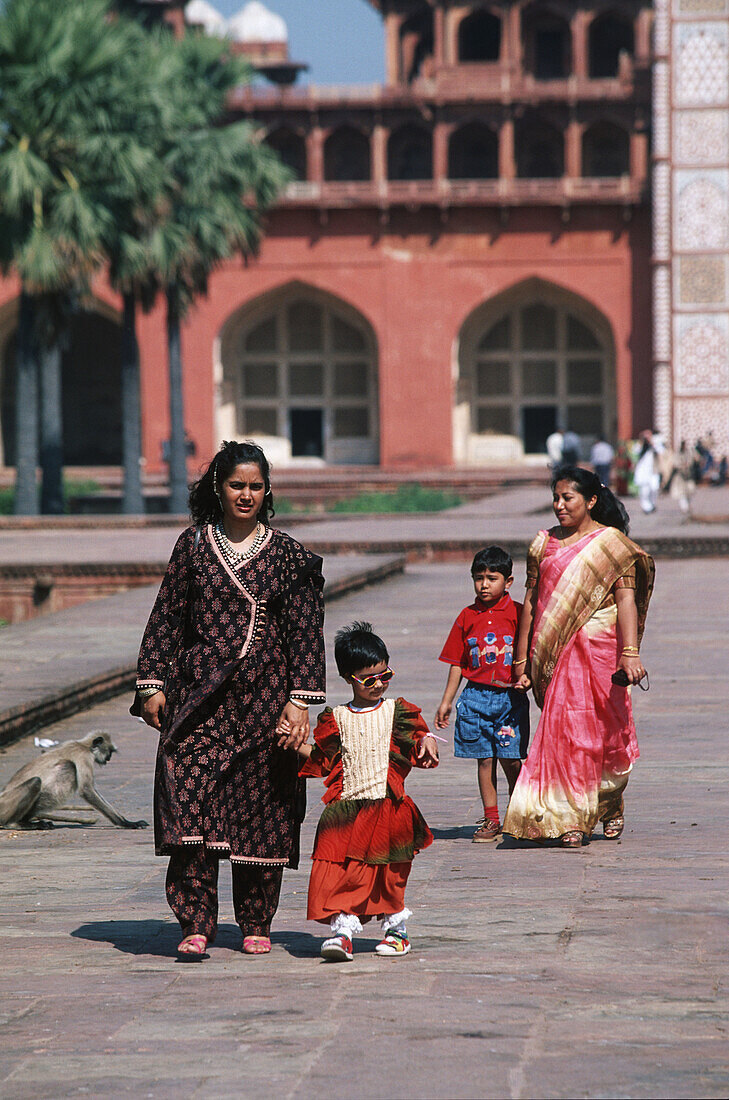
(297, 372)
(479, 37)
(473, 152)
(347, 155)
(90, 386)
(533, 359)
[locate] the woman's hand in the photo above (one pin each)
(292, 727)
(633, 668)
(428, 752)
(153, 709)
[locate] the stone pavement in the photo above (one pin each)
(535, 971)
(53, 665)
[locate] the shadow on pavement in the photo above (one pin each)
(137, 937)
(458, 832)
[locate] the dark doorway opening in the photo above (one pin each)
(307, 433)
(538, 422)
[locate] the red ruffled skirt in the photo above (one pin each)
(366, 889)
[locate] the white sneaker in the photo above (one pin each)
(337, 949)
(394, 944)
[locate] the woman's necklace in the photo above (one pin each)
(232, 555)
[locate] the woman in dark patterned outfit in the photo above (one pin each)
(235, 637)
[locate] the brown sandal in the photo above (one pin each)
(612, 827)
(572, 839)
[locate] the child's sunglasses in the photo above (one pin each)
(370, 681)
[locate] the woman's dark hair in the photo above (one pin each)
(494, 558)
(356, 646)
(205, 506)
(608, 509)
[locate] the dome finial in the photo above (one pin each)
(255, 23)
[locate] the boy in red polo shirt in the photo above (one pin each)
(492, 717)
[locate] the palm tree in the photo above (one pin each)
(63, 67)
(221, 177)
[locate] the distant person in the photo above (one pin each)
(492, 719)
(646, 478)
(588, 588)
(571, 448)
(680, 482)
(602, 457)
(554, 445)
(719, 477)
(705, 457)
(370, 830)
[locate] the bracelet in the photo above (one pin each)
(301, 706)
(630, 651)
(147, 693)
(521, 661)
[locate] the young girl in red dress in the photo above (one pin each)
(370, 829)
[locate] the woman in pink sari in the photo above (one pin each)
(588, 588)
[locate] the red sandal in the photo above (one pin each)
(193, 948)
(256, 945)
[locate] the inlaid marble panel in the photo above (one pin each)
(701, 350)
(701, 64)
(696, 416)
(701, 7)
(701, 137)
(701, 210)
(662, 312)
(701, 280)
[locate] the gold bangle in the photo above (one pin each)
(301, 706)
(631, 651)
(521, 661)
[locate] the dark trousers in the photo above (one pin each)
(192, 892)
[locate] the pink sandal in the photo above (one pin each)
(256, 945)
(193, 948)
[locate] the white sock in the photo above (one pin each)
(345, 924)
(396, 922)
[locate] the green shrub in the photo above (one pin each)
(70, 489)
(406, 498)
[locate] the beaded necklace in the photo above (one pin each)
(235, 557)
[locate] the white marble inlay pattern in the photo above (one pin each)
(662, 312)
(701, 210)
(702, 64)
(697, 416)
(701, 137)
(702, 355)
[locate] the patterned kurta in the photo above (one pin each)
(232, 643)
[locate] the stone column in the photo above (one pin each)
(507, 159)
(315, 154)
(573, 149)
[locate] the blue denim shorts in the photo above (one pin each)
(491, 722)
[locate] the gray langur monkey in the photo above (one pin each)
(47, 783)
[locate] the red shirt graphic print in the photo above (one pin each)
(482, 642)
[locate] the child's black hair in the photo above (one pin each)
(608, 510)
(357, 646)
(493, 558)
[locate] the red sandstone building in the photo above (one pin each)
(462, 266)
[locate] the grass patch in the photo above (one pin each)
(70, 489)
(406, 498)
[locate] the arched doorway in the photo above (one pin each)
(479, 37)
(90, 385)
(531, 361)
(298, 373)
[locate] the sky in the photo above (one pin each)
(342, 40)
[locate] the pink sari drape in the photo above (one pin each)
(585, 744)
